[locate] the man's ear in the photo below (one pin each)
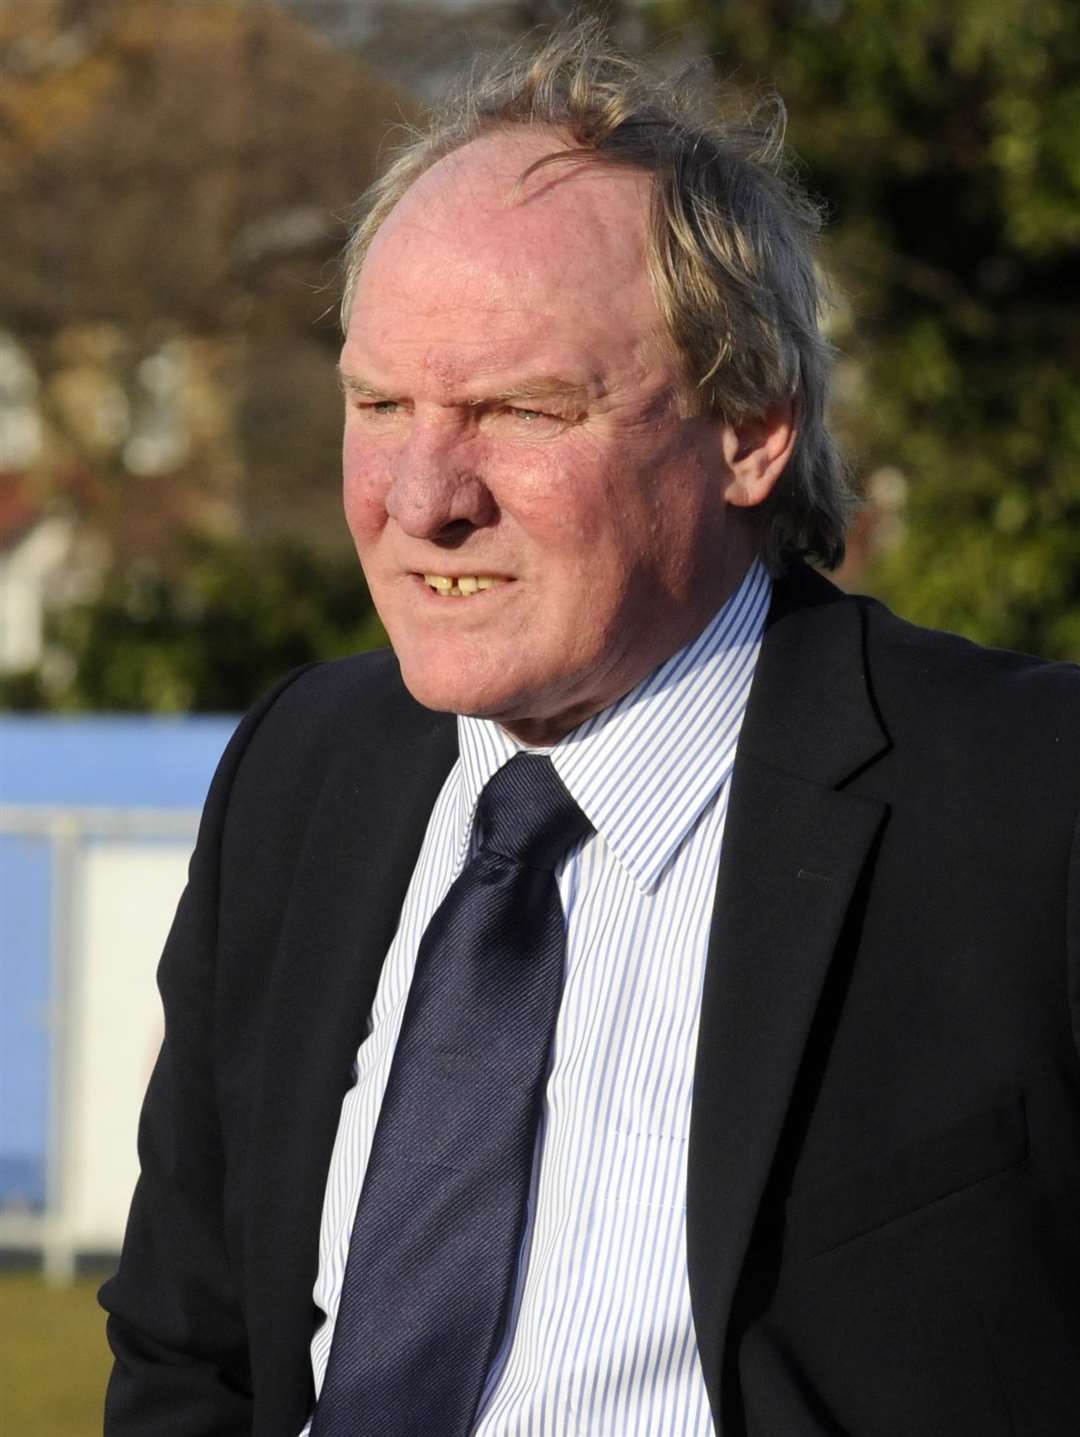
(756, 452)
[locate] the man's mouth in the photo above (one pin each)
(463, 585)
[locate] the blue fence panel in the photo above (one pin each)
(25, 901)
(120, 762)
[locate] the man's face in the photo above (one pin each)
(512, 416)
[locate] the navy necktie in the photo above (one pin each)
(434, 1247)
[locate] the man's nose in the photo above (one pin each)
(434, 489)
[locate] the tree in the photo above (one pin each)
(946, 143)
(175, 178)
(208, 635)
(176, 161)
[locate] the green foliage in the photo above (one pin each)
(174, 178)
(945, 141)
(208, 637)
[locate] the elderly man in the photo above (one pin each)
(678, 1039)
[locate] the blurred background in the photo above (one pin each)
(176, 177)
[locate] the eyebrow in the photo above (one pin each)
(544, 386)
(350, 384)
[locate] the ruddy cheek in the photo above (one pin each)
(364, 494)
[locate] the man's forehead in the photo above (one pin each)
(474, 280)
(464, 354)
(487, 193)
(494, 170)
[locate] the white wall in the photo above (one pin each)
(126, 894)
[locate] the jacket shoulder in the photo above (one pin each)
(918, 673)
(357, 704)
(346, 720)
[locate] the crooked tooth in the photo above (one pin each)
(462, 587)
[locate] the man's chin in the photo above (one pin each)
(452, 694)
(522, 715)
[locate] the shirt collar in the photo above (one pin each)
(644, 770)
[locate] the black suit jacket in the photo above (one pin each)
(883, 1201)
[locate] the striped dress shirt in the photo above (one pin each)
(601, 1342)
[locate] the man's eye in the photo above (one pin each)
(383, 406)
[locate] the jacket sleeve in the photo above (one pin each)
(176, 1323)
(1073, 936)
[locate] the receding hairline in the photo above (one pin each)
(730, 253)
(554, 157)
(555, 161)
(530, 180)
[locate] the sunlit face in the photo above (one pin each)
(512, 416)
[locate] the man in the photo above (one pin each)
(795, 1150)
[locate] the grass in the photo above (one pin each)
(55, 1361)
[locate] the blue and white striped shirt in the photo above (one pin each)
(602, 1341)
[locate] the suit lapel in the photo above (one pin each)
(795, 843)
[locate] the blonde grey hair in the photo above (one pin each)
(731, 246)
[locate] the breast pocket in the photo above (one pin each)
(900, 1184)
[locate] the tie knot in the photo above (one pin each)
(526, 814)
